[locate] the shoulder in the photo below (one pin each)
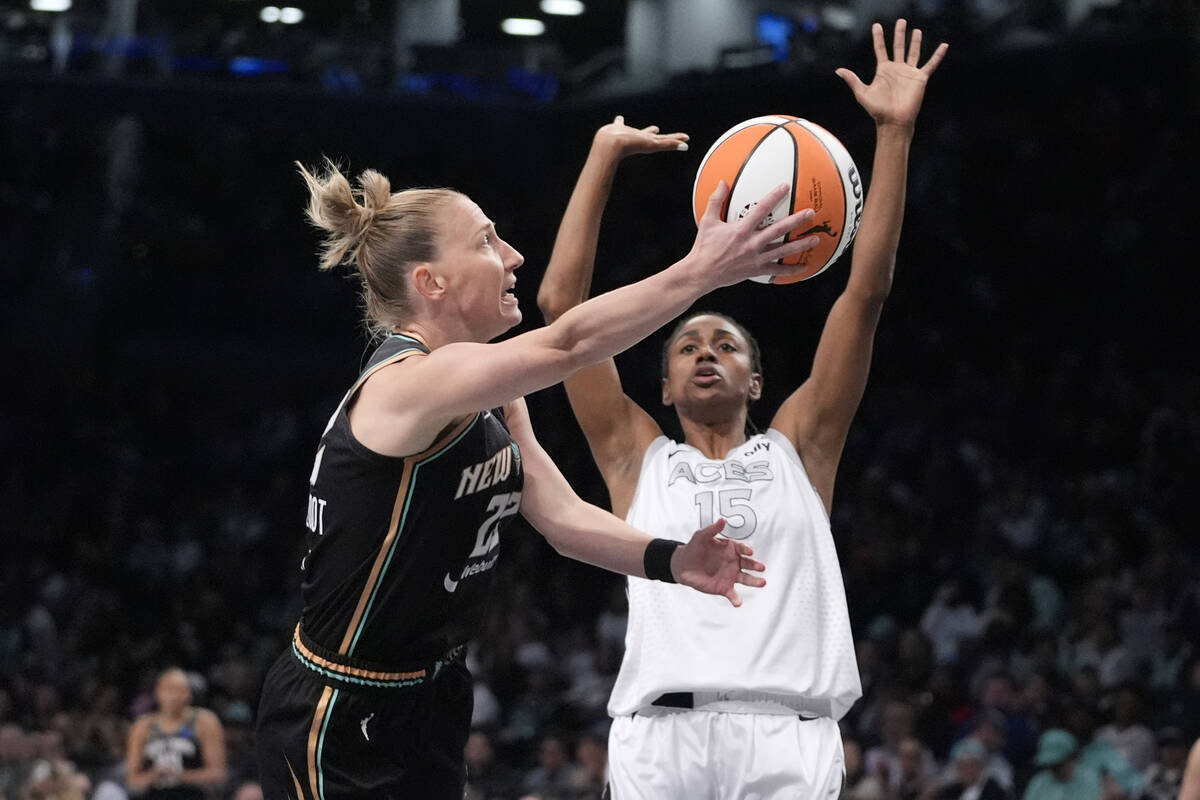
(207, 720)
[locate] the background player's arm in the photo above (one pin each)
(817, 416)
(212, 752)
(618, 430)
(138, 779)
(587, 533)
(405, 416)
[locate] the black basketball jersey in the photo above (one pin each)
(401, 551)
(177, 751)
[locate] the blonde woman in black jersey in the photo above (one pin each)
(428, 455)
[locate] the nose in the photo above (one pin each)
(705, 353)
(512, 258)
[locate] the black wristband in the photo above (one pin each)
(657, 560)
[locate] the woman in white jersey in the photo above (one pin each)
(708, 704)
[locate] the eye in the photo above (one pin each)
(487, 240)
(687, 348)
(728, 348)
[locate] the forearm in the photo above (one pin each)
(204, 776)
(587, 533)
(614, 321)
(879, 237)
(568, 276)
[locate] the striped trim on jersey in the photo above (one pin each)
(351, 674)
(404, 495)
(316, 741)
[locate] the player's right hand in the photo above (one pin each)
(744, 247)
(621, 140)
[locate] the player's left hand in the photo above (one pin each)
(894, 95)
(716, 565)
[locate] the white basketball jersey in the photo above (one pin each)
(789, 639)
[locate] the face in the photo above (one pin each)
(475, 268)
(969, 770)
(172, 691)
(710, 376)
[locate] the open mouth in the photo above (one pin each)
(706, 376)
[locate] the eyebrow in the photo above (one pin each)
(696, 334)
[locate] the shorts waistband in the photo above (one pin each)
(741, 701)
(331, 666)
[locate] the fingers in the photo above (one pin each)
(877, 40)
(709, 532)
(789, 223)
(935, 59)
(752, 565)
(914, 48)
(898, 36)
(716, 201)
(760, 210)
(733, 598)
(852, 80)
(746, 579)
(619, 119)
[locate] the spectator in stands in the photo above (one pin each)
(1164, 778)
(556, 774)
(1127, 733)
(860, 784)
(177, 751)
(487, 777)
(1059, 777)
(970, 781)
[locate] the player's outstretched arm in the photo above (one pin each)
(405, 417)
(817, 416)
(590, 534)
(618, 431)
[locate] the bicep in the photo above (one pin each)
(212, 741)
(817, 416)
(400, 409)
(134, 747)
(546, 496)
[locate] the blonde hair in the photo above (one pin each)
(380, 233)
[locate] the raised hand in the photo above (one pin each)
(894, 95)
(746, 247)
(623, 140)
(716, 566)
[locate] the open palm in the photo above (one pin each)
(894, 95)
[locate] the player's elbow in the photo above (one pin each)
(553, 302)
(870, 296)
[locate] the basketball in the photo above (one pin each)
(758, 154)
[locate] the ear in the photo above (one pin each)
(756, 386)
(426, 282)
(666, 393)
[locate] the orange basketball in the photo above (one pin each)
(757, 155)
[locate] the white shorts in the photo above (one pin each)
(679, 754)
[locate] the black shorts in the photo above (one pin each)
(320, 738)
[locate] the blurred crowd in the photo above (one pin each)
(1015, 512)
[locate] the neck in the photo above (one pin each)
(714, 439)
(438, 331)
(429, 334)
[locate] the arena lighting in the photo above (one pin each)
(563, 8)
(518, 26)
(269, 14)
(290, 15)
(50, 5)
